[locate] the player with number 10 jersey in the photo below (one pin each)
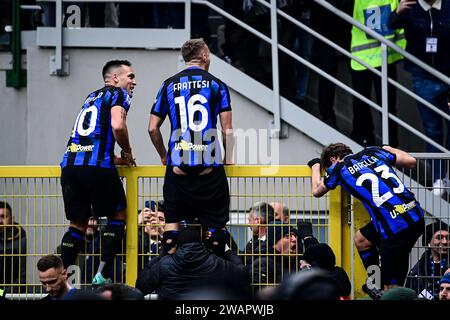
(92, 141)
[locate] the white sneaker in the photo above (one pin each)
(440, 187)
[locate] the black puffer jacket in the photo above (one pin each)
(190, 268)
(13, 250)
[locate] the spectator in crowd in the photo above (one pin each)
(13, 250)
(252, 61)
(320, 255)
(302, 46)
(333, 28)
(191, 267)
(152, 221)
(53, 278)
(425, 275)
(429, 41)
(260, 214)
(137, 15)
(444, 293)
(280, 259)
(230, 52)
(373, 14)
(90, 183)
(397, 218)
(281, 212)
(195, 180)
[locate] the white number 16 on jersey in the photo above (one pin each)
(195, 103)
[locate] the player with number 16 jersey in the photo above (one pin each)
(195, 184)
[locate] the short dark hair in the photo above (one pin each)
(5, 205)
(264, 211)
(114, 64)
(48, 262)
(338, 150)
(192, 48)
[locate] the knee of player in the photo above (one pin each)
(361, 242)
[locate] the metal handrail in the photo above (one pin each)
(348, 54)
(365, 64)
(384, 43)
(388, 43)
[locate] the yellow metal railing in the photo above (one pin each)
(248, 184)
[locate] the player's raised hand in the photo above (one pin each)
(313, 162)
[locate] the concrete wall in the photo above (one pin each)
(13, 124)
(38, 120)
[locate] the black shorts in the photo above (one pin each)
(205, 197)
(370, 233)
(394, 254)
(91, 191)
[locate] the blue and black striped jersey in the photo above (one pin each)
(92, 141)
(368, 176)
(193, 100)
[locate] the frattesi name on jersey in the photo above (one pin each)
(360, 165)
(79, 148)
(191, 85)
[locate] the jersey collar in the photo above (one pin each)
(436, 5)
(193, 67)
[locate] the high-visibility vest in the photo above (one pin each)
(374, 14)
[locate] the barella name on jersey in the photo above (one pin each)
(363, 164)
(190, 85)
(79, 148)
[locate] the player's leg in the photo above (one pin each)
(73, 241)
(214, 211)
(108, 199)
(112, 237)
(395, 255)
(77, 207)
(173, 205)
(366, 242)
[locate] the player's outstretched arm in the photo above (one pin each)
(404, 159)
(154, 131)
(318, 187)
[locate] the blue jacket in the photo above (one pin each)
(417, 25)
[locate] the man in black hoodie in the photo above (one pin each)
(189, 270)
(320, 255)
